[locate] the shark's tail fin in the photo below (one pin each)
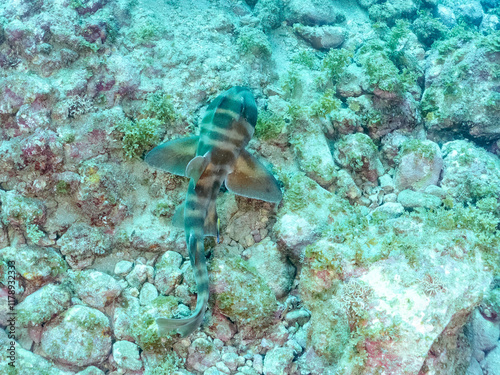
(186, 326)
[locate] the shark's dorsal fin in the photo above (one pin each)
(252, 180)
(196, 167)
(173, 156)
(210, 227)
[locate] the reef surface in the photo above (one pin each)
(380, 119)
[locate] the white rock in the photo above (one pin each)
(491, 364)
(485, 333)
(123, 267)
(278, 361)
(81, 336)
(147, 294)
(126, 355)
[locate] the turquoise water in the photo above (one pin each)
(379, 120)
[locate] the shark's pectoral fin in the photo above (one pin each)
(173, 156)
(196, 167)
(251, 179)
(210, 227)
(178, 218)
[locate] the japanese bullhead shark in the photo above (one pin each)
(217, 155)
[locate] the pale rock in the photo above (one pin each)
(220, 326)
(38, 265)
(420, 165)
(392, 209)
(27, 362)
(436, 191)
(295, 230)
(230, 360)
(300, 317)
(81, 243)
(126, 355)
(147, 294)
(470, 172)
(202, 355)
(485, 334)
(322, 37)
(258, 363)
(367, 3)
(123, 267)
(124, 317)
(491, 364)
(390, 198)
(214, 371)
(410, 303)
(413, 199)
(167, 272)
(275, 269)
(137, 276)
(313, 154)
(471, 12)
(386, 183)
(244, 297)
(472, 111)
(490, 23)
(95, 288)
(474, 368)
(446, 15)
(357, 153)
(299, 220)
(39, 307)
(301, 335)
(346, 185)
(278, 361)
(91, 370)
(312, 12)
(80, 336)
(351, 82)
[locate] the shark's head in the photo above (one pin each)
(249, 107)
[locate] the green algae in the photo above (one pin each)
(63, 188)
(163, 208)
(291, 80)
(306, 58)
(254, 41)
(145, 329)
(326, 104)
(143, 133)
(159, 105)
(335, 62)
(427, 28)
(356, 150)
(171, 362)
(139, 135)
(269, 125)
(424, 149)
(23, 211)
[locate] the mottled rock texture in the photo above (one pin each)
(80, 336)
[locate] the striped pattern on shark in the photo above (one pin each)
(217, 155)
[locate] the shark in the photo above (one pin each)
(217, 156)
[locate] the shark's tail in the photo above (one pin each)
(186, 326)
